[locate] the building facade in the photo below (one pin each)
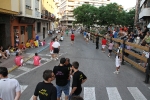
(144, 12)
(67, 6)
(34, 17)
(7, 10)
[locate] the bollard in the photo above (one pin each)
(147, 76)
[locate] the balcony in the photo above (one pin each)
(144, 12)
(141, 3)
(71, 0)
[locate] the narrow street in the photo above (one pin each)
(101, 84)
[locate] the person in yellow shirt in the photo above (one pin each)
(35, 43)
(28, 44)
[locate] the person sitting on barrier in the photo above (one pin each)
(145, 54)
(36, 60)
(146, 39)
(18, 60)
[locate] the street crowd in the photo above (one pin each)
(65, 73)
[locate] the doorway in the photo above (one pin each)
(29, 30)
(22, 33)
(2, 36)
(43, 32)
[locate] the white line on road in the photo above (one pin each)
(29, 62)
(89, 93)
(23, 87)
(24, 68)
(136, 93)
(46, 59)
(11, 76)
(113, 93)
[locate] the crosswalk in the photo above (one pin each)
(112, 93)
(45, 58)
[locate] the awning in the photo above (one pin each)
(8, 11)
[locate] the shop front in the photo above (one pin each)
(24, 27)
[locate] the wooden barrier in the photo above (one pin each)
(136, 55)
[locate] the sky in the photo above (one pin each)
(125, 3)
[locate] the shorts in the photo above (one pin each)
(56, 50)
(51, 51)
(72, 39)
(65, 89)
(109, 51)
(103, 46)
(84, 36)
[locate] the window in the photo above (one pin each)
(38, 27)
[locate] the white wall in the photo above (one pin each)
(15, 5)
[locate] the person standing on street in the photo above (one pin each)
(118, 63)
(37, 39)
(104, 41)
(78, 79)
(56, 48)
(62, 75)
(46, 90)
(72, 38)
(97, 41)
(9, 88)
(110, 47)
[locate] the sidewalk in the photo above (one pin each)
(10, 64)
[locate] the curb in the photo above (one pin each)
(38, 51)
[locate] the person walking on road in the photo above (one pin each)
(97, 41)
(118, 63)
(9, 88)
(104, 41)
(56, 47)
(46, 90)
(110, 47)
(72, 38)
(51, 48)
(62, 75)
(84, 33)
(78, 79)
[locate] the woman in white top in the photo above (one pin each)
(118, 63)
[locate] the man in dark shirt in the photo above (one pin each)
(78, 79)
(45, 90)
(97, 41)
(62, 75)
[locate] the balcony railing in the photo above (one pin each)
(144, 12)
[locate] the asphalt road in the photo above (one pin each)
(102, 83)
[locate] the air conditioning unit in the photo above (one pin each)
(20, 13)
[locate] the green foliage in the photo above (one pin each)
(112, 13)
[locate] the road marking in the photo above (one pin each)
(11, 76)
(33, 68)
(46, 59)
(113, 93)
(24, 68)
(23, 87)
(136, 93)
(29, 62)
(89, 93)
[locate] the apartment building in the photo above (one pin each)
(8, 8)
(67, 6)
(34, 17)
(144, 13)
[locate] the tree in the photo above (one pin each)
(85, 14)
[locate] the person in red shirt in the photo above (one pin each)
(104, 41)
(18, 60)
(72, 38)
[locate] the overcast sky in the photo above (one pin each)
(125, 3)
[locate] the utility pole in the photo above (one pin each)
(137, 12)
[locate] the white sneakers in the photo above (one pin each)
(116, 72)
